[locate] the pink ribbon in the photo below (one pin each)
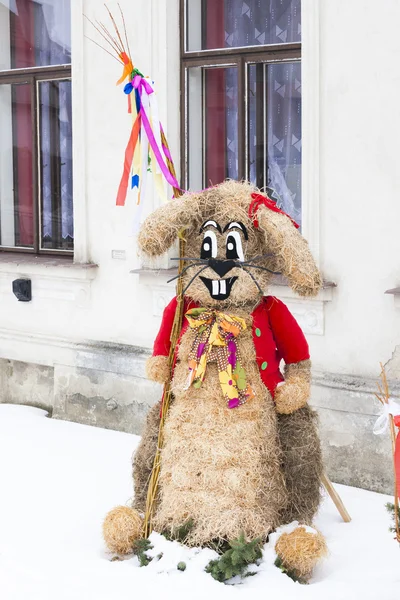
(139, 83)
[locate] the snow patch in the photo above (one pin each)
(59, 479)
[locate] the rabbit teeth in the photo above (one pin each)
(219, 289)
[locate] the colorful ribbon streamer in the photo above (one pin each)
(129, 152)
(144, 145)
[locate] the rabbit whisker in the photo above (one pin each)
(248, 264)
(203, 260)
(260, 257)
(194, 277)
(184, 271)
(253, 278)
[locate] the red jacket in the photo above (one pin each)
(276, 336)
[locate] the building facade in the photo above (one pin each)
(300, 96)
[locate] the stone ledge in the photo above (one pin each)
(44, 264)
(103, 356)
(356, 384)
(395, 292)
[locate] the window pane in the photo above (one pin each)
(34, 33)
(16, 176)
(212, 125)
(56, 165)
(236, 23)
(274, 131)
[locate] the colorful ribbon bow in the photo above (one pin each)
(260, 200)
(147, 142)
(215, 341)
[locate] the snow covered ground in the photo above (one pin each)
(57, 481)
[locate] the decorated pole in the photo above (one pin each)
(147, 146)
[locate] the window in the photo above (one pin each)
(241, 83)
(36, 209)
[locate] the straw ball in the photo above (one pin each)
(121, 527)
(300, 550)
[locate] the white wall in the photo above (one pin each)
(108, 303)
(359, 244)
(359, 183)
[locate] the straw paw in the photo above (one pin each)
(292, 395)
(157, 369)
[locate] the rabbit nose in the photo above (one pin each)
(221, 267)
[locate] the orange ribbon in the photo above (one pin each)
(128, 67)
(129, 152)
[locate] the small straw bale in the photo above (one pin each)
(300, 550)
(121, 527)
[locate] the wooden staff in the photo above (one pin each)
(176, 328)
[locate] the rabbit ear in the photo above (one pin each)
(293, 256)
(161, 228)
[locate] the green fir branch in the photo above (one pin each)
(235, 561)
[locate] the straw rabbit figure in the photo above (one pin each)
(241, 451)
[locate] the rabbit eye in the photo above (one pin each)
(234, 250)
(209, 248)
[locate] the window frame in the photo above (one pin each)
(32, 76)
(239, 57)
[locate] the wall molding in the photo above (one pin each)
(50, 350)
